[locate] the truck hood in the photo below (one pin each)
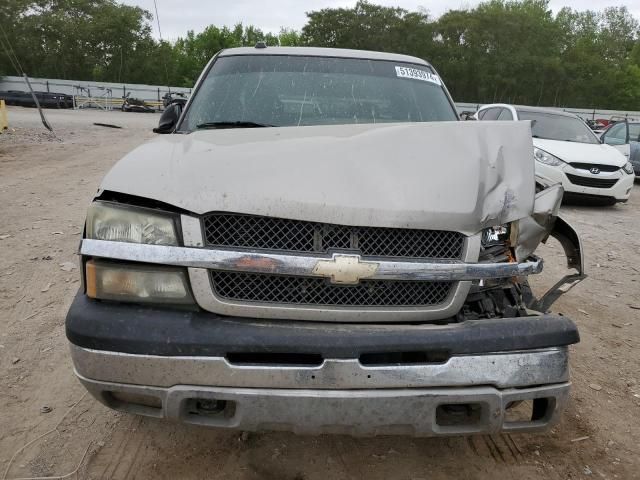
(461, 176)
(570, 152)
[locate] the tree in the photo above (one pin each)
(514, 51)
(369, 27)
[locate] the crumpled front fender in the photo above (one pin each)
(534, 229)
(537, 228)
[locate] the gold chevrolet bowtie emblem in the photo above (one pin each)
(345, 269)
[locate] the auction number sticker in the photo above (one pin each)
(405, 72)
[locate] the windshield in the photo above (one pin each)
(551, 126)
(281, 90)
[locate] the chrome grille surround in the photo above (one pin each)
(206, 296)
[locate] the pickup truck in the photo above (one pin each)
(319, 245)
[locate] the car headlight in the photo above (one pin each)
(137, 283)
(122, 223)
(546, 158)
(628, 168)
(495, 235)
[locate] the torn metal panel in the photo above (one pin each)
(570, 241)
(448, 175)
(536, 228)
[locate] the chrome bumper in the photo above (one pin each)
(303, 265)
(199, 261)
(339, 396)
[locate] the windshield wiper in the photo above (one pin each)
(236, 124)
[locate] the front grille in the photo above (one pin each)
(591, 181)
(589, 166)
(268, 233)
(251, 287)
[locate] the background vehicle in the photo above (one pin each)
(135, 105)
(625, 137)
(46, 99)
(173, 97)
(568, 152)
(298, 256)
(597, 127)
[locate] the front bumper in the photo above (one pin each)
(547, 175)
(205, 369)
(414, 412)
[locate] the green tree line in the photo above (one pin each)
(515, 51)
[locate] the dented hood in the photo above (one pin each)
(461, 176)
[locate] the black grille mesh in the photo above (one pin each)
(592, 182)
(251, 287)
(257, 232)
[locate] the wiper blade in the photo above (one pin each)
(236, 124)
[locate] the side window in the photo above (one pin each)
(491, 113)
(505, 114)
(616, 135)
(481, 114)
(634, 132)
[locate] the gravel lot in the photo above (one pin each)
(46, 183)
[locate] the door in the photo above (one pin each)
(618, 136)
(490, 113)
(505, 114)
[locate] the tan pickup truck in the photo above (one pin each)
(319, 245)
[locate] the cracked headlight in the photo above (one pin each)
(628, 168)
(546, 158)
(123, 223)
(495, 235)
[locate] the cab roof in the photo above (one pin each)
(324, 52)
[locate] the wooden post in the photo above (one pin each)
(4, 121)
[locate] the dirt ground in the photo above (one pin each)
(46, 184)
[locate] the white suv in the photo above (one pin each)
(568, 152)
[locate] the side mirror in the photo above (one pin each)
(169, 119)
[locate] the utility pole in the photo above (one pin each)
(35, 99)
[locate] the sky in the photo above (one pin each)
(178, 16)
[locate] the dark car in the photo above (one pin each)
(46, 99)
(634, 158)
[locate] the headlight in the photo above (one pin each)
(137, 283)
(121, 223)
(628, 168)
(546, 158)
(495, 244)
(495, 235)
